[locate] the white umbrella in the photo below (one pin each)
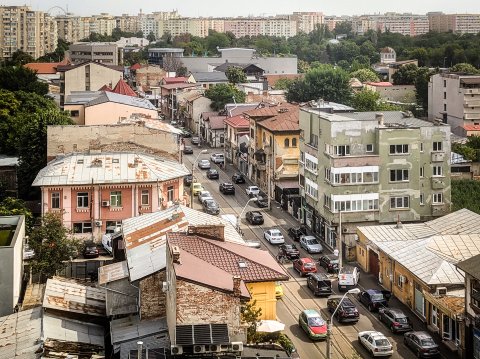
(270, 326)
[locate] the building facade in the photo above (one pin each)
(405, 24)
(105, 53)
(458, 23)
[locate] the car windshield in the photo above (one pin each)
(382, 342)
(213, 171)
(403, 320)
(308, 265)
(289, 247)
(377, 297)
(315, 322)
(275, 233)
(427, 342)
(311, 241)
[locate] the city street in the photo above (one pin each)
(297, 296)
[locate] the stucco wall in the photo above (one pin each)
(109, 113)
(264, 295)
(76, 80)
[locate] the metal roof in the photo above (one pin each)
(81, 97)
(389, 117)
(209, 76)
(108, 168)
(471, 266)
(112, 272)
(151, 123)
(7, 161)
(107, 96)
(70, 296)
(20, 334)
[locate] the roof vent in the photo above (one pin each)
(242, 264)
(282, 110)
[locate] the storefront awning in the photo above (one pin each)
(450, 305)
(287, 184)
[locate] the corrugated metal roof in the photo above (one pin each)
(114, 167)
(70, 296)
(455, 247)
(108, 96)
(209, 76)
(8, 161)
(471, 266)
(81, 97)
(112, 272)
(20, 334)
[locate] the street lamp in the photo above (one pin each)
(193, 178)
(330, 322)
(240, 215)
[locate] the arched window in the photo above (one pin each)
(294, 142)
(287, 142)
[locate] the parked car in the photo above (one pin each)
(278, 290)
(197, 188)
(296, 232)
(238, 178)
(210, 207)
(204, 164)
(212, 174)
(374, 299)
(319, 284)
(217, 158)
(376, 343)
(252, 190)
(226, 188)
(289, 251)
(204, 195)
(90, 250)
(187, 150)
(186, 133)
(422, 344)
(187, 180)
(395, 319)
(346, 312)
(310, 244)
(348, 278)
(261, 200)
(195, 140)
(304, 266)
(329, 262)
(313, 324)
(274, 236)
(254, 217)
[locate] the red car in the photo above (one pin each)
(304, 266)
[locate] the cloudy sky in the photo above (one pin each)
(250, 7)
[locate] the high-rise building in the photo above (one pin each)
(307, 21)
(405, 24)
(33, 32)
(458, 23)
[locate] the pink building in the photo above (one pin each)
(95, 191)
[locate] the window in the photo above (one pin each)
(313, 140)
(437, 146)
(434, 312)
(400, 280)
(302, 156)
(398, 175)
(311, 163)
(369, 147)
(421, 146)
(55, 200)
(438, 198)
(444, 83)
(399, 202)
(115, 199)
(343, 150)
(444, 95)
(422, 199)
(74, 113)
(422, 171)
(145, 197)
(82, 227)
(475, 288)
(311, 188)
(82, 199)
(170, 193)
(286, 142)
(294, 142)
(398, 149)
(437, 171)
(444, 107)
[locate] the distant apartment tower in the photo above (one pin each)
(405, 24)
(104, 52)
(128, 23)
(279, 26)
(458, 23)
(373, 168)
(102, 24)
(33, 32)
(307, 21)
(454, 98)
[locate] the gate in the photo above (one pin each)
(373, 265)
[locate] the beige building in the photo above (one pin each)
(405, 24)
(107, 53)
(307, 21)
(33, 32)
(458, 23)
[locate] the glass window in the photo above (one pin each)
(398, 149)
(116, 199)
(422, 199)
(343, 150)
(294, 142)
(398, 175)
(82, 227)
(369, 147)
(422, 171)
(55, 200)
(170, 193)
(437, 171)
(399, 202)
(438, 197)
(287, 142)
(437, 146)
(82, 199)
(145, 197)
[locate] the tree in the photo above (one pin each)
(365, 75)
(151, 37)
(467, 68)
(421, 86)
(182, 71)
(235, 75)
(405, 75)
(52, 244)
(222, 94)
(250, 315)
(172, 64)
(10, 206)
(21, 79)
(343, 28)
(216, 40)
(282, 83)
(20, 58)
(368, 100)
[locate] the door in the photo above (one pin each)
(373, 265)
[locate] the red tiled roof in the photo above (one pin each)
(174, 80)
(43, 68)
(471, 127)
(238, 122)
(122, 88)
(105, 88)
(135, 66)
(217, 122)
(380, 84)
(287, 121)
(257, 265)
(269, 110)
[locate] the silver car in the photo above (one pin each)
(211, 207)
(204, 164)
(204, 195)
(310, 244)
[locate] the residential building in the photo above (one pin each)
(170, 101)
(471, 268)
(419, 263)
(8, 175)
(97, 190)
(147, 77)
(388, 55)
(33, 32)
(454, 98)
(371, 168)
(457, 23)
(307, 21)
(251, 71)
(193, 104)
(400, 94)
(131, 43)
(159, 55)
(405, 24)
(128, 23)
(107, 53)
(102, 24)
(12, 239)
(207, 79)
(236, 129)
(212, 129)
(279, 26)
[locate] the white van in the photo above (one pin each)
(110, 233)
(348, 278)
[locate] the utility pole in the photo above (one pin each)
(329, 338)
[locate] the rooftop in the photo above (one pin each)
(112, 272)
(122, 99)
(237, 122)
(21, 333)
(471, 266)
(209, 76)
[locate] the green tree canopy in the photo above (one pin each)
(365, 75)
(368, 100)
(467, 68)
(222, 94)
(14, 207)
(235, 75)
(405, 75)
(19, 78)
(20, 58)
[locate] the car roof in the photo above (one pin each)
(397, 312)
(319, 276)
(374, 334)
(350, 269)
(227, 183)
(212, 170)
(312, 313)
(274, 229)
(374, 291)
(256, 212)
(309, 237)
(307, 260)
(422, 335)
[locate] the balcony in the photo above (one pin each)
(438, 156)
(438, 183)
(355, 161)
(261, 166)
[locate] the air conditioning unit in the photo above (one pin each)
(214, 348)
(441, 291)
(98, 223)
(224, 348)
(199, 349)
(105, 203)
(165, 287)
(236, 346)
(176, 350)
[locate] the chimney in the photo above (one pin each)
(399, 224)
(236, 286)
(379, 118)
(176, 254)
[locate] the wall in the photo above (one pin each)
(110, 113)
(150, 75)
(75, 79)
(264, 294)
(152, 297)
(399, 93)
(80, 119)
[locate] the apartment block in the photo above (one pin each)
(307, 21)
(128, 23)
(33, 32)
(455, 99)
(368, 168)
(103, 52)
(405, 24)
(458, 23)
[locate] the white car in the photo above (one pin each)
(217, 158)
(252, 190)
(310, 244)
(376, 343)
(274, 236)
(204, 164)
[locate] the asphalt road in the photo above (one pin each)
(297, 296)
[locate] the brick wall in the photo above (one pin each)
(152, 298)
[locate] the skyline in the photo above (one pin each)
(212, 8)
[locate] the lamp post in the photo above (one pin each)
(330, 322)
(240, 215)
(193, 179)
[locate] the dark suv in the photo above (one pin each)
(254, 217)
(329, 262)
(374, 299)
(346, 312)
(261, 200)
(296, 232)
(238, 178)
(289, 251)
(320, 284)
(187, 180)
(226, 188)
(395, 319)
(422, 344)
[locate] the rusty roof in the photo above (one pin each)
(282, 122)
(217, 122)
(269, 110)
(251, 264)
(238, 122)
(43, 68)
(69, 296)
(112, 272)
(20, 333)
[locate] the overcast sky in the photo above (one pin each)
(250, 7)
